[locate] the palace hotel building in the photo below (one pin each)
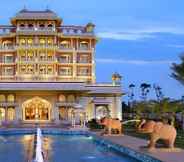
(47, 71)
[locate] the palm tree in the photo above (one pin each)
(131, 94)
(178, 70)
(145, 89)
(158, 92)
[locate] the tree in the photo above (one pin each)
(131, 95)
(178, 70)
(145, 89)
(158, 92)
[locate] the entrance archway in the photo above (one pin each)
(36, 109)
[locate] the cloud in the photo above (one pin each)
(138, 34)
(176, 45)
(124, 36)
(135, 62)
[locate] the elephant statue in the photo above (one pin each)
(111, 124)
(158, 130)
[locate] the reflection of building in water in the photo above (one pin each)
(28, 143)
(47, 71)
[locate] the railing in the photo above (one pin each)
(8, 103)
(65, 74)
(7, 48)
(34, 29)
(65, 30)
(74, 30)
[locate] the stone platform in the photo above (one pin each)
(165, 155)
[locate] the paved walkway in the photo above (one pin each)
(136, 144)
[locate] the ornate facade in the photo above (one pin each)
(47, 71)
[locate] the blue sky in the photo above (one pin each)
(138, 38)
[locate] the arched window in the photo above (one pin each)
(10, 98)
(50, 25)
(11, 114)
(65, 44)
(22, 25)
(71, 98)
(22, 41)
(50, 41)
(30, 26)
(42, 41)
(62, 98)
(50, 69)
(2, 98)
(84, 45)
(30, 41)
(41, 26)
(2, 113)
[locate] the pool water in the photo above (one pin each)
(16, 148)
(81, 149)
(58, 148)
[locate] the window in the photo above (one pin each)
(62, 98)
(50, 25)
(9, 70)
(30, 56)
(2, 98)
(2, 113)
(65, 59)
(50, 41)
(23, 56)
(42, 41)
(83, 71)
(84, 45)
(50, 70)
(11, 114)
(65, 71)
(65, 44)
(41, 26)
(22, 41)
(22, 25)
(10, 98)
(30, 69)
(71, 98)
(30, 26)
(23, 69)
(83, 58)
(42, 56)
(49, 56)
(8, 58)
(42, 70)
(30, 41)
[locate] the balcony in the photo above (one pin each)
(65, 49)
(35, 30)
(7, 104)
(36, 46)
(84, 49)
(7, 48)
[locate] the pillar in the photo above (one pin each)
(118, 107)
(55, 114)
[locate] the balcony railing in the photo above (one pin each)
(64, 61)
(35, 29)
(65, 73)
(7, 48)
(65, 48)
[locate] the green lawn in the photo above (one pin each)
(129, 130)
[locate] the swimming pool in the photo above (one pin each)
(81, 149)
(60, 148)
(17, 145)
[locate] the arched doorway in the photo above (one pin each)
(36, 109)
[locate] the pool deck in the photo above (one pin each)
(137, 144)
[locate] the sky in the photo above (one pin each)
(140, 39)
